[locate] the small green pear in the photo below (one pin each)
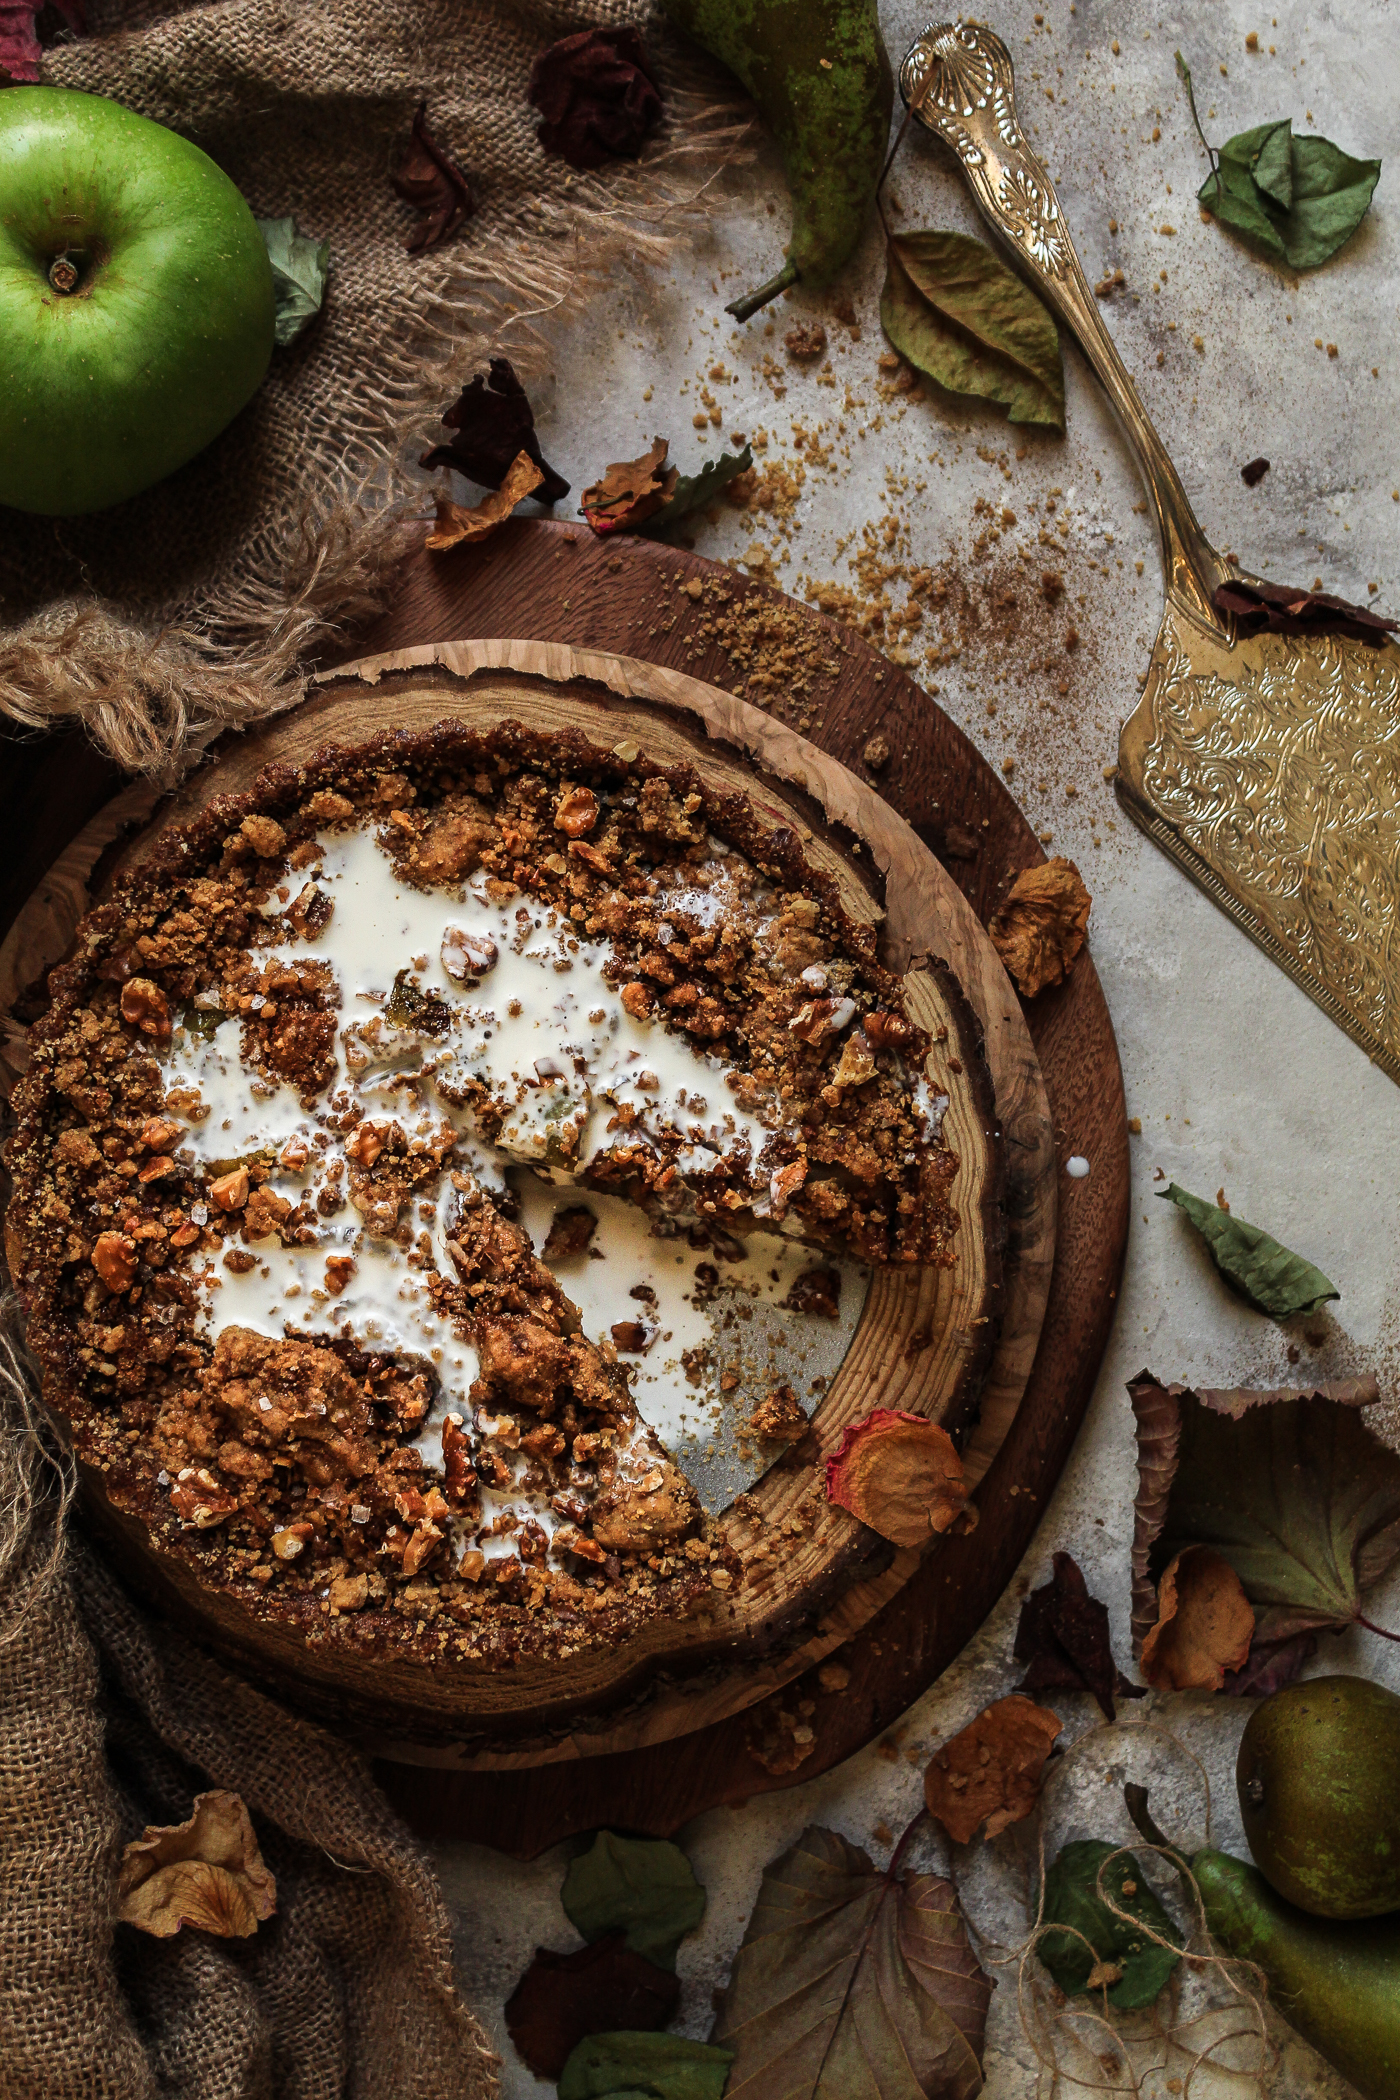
(1319, 1785)
(1337, 1985)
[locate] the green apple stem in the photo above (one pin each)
(63, 275)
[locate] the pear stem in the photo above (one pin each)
(745, 309)
(1136, 1799)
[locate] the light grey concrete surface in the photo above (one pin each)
(1239, 1081)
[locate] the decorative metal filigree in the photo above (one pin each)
(1269, 769)
(957, 82)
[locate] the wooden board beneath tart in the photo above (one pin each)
(554, 583)
(926, 1338)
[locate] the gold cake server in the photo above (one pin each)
(1267, 765)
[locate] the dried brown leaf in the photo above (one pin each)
(1039, 930)
(457, 522)
(853, 1982)
(597, 97)
(1205, 1624)
(206, 1872)
(631, 491)
(1284, 610)
(901, 1475)
(491, 421)
(428, 178)
(1063, 1635)
(596, 1990)
(992, 1771)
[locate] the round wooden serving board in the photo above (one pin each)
(556, 584)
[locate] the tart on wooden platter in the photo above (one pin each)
(352, 1079)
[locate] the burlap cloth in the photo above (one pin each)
(201, 600)
(199, 603)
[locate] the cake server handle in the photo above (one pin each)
(957, 82)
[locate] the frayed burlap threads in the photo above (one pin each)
(110, 1721)
(200, 602)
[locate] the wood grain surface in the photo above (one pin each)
(925, 1339)
(556, 583)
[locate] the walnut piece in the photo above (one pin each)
(114, 1258)
(145, 1006)
(230, 1191)
(576, 811)
(779, 1419)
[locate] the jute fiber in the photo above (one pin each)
(109, 1722)
(201, 601)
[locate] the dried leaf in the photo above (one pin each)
(20, 49)
(961, 317)
(456, 523)
(693, 491)
(1091, 1942)
(561, 1998)
(1292, 1489)
(643, 1887)
(1285, 610)
(1263, 1273)
(901, 1475)
(991, 1772)
(596, 95)
(853, 1982)
(1204, 1624)
(206, 1872)
(631, 491)
(1039, 929)
(1270, 1665)
(1298, 200)
(429, 179)
(492, 423)
(644, 2067)
(299, 267)
(1063, 1635)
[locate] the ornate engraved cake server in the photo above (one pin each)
(1267, 765)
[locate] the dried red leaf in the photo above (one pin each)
(492, 422)
(901, 1475)
(991, 1772)
(1270, 1665)
(596, 95)
(430, 180)
(206, 1872)
(631, 491)
(1039, 929)
(1284, 610)
(1205, 1624)
(456, 522)
(1063, 1635)
(20, 49)
(602, 1989)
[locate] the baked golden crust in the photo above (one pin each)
(284, 1470)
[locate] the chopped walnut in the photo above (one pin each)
(819, 1018)
(339, 1269)
(230, 1191)
(576, 811)
(114, 1258)
(145, 1006)
(885, 1031)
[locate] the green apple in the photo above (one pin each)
(136, 305)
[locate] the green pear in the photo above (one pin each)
(1338, 1985)
(821, 77)
(1319, 1784)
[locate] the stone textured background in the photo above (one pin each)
(1239, 1080)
